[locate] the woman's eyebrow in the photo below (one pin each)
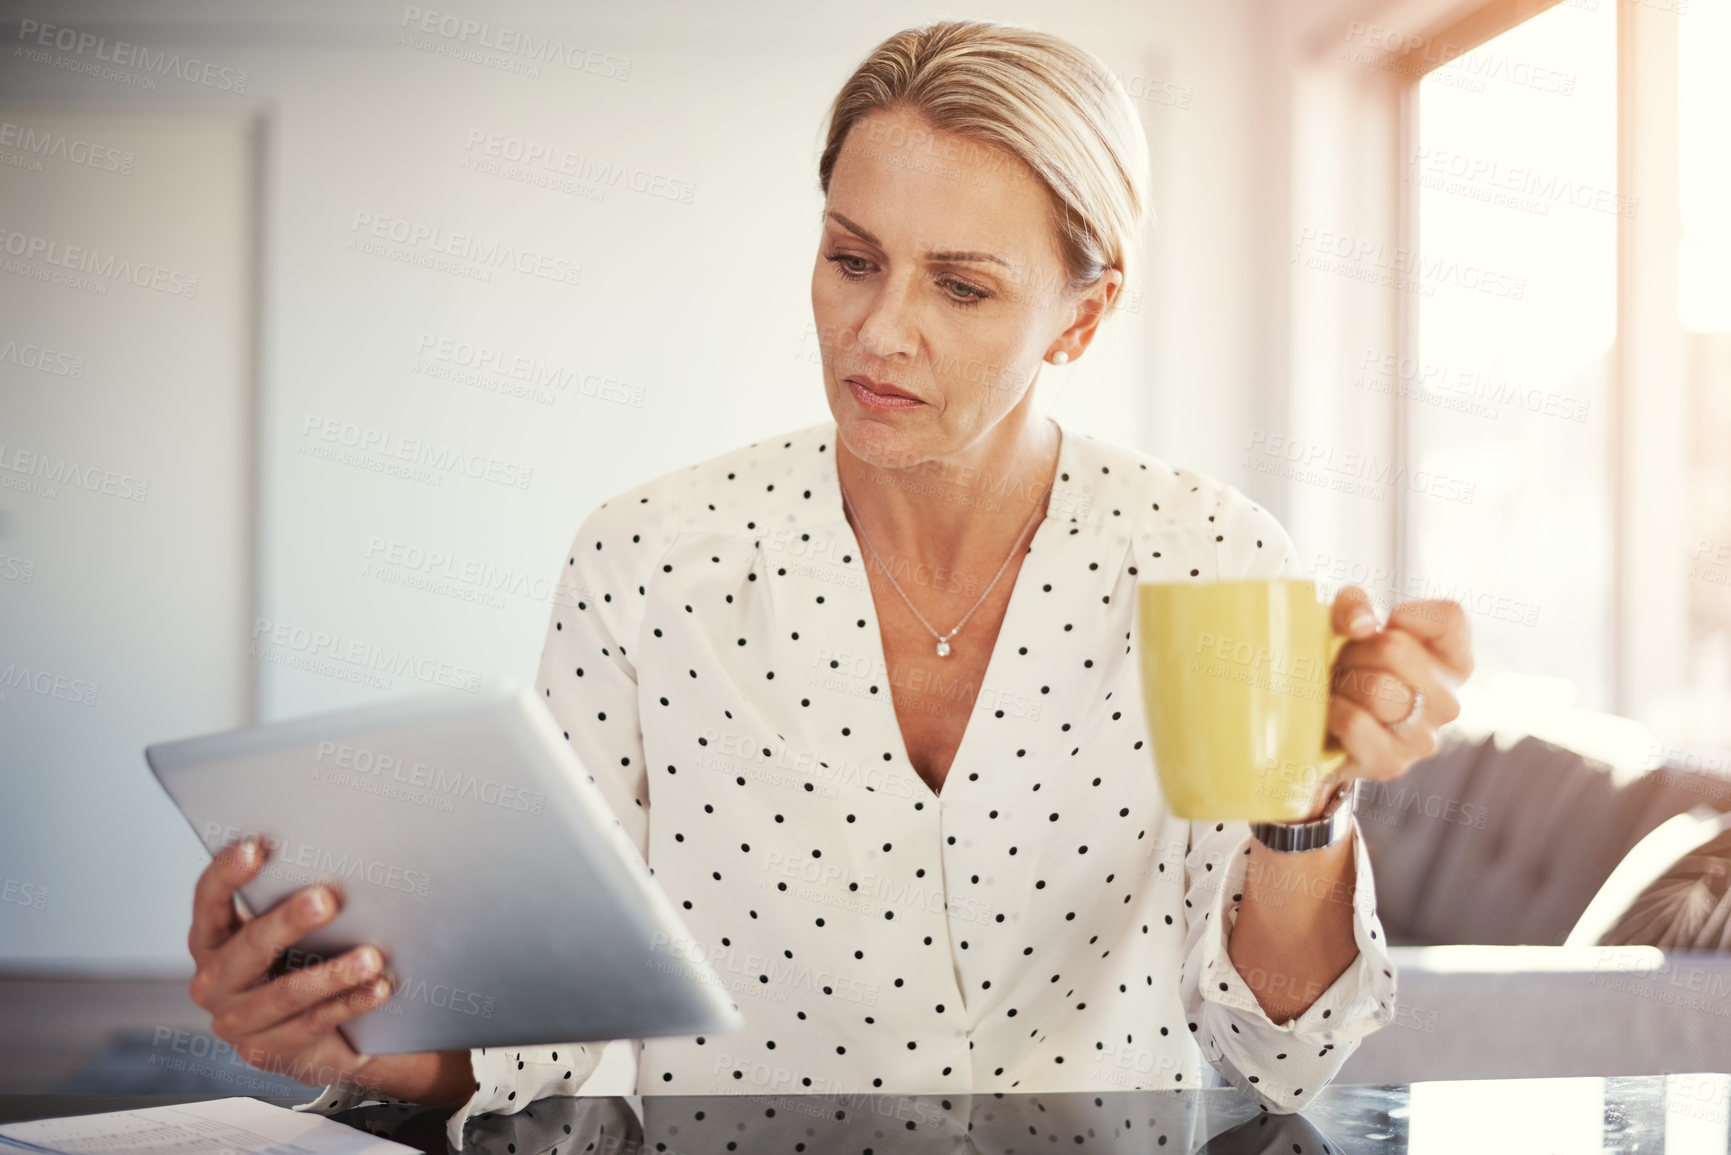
(942, 256)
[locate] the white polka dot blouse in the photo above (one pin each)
(1041, 923)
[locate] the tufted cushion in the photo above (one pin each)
(1496, 845)
(1402, 843)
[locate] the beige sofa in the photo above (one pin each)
(1486, 856)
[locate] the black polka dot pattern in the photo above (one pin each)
(1041, 923)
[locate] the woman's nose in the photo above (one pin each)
(889, 328)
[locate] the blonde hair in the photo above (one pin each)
(1049, 103)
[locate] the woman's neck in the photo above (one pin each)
(957, 512)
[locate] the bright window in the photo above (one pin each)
(1517, 211)
(1696, 719)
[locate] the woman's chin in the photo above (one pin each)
(875, 441)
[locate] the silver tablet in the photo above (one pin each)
(470, 845)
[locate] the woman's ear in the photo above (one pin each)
(1091, 309)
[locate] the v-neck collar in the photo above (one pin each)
(823, 510)
(993, 675)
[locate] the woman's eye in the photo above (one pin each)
(960, 292)
(966, 293)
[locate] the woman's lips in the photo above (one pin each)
(885, 402)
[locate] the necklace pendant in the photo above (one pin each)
(943, 648)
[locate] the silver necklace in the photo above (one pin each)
(943, 639)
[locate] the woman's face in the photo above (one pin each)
(938, 273)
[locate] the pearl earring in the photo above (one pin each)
(1060, 357)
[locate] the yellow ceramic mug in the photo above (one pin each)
(1235, 679)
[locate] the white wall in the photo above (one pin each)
(699, 311)
(125, 505)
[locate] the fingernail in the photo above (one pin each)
(367, 960)
(317, 902)
(380, 988)
(1363, 622)
(248, 852)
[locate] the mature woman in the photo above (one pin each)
(873, 679)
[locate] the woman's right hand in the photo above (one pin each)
(287, 1024)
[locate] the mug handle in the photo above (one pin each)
(1332, 760)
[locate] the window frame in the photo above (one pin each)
(1648, 627)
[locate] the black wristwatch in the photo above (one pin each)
(1325, 830)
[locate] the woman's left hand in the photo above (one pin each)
(1424, 646)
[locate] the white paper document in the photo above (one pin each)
(237, 1126)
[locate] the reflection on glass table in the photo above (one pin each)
(1681, 1114)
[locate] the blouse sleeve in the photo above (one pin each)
(589, 684)
(1280, 1066)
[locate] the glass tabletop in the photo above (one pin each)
(1679, 1114)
